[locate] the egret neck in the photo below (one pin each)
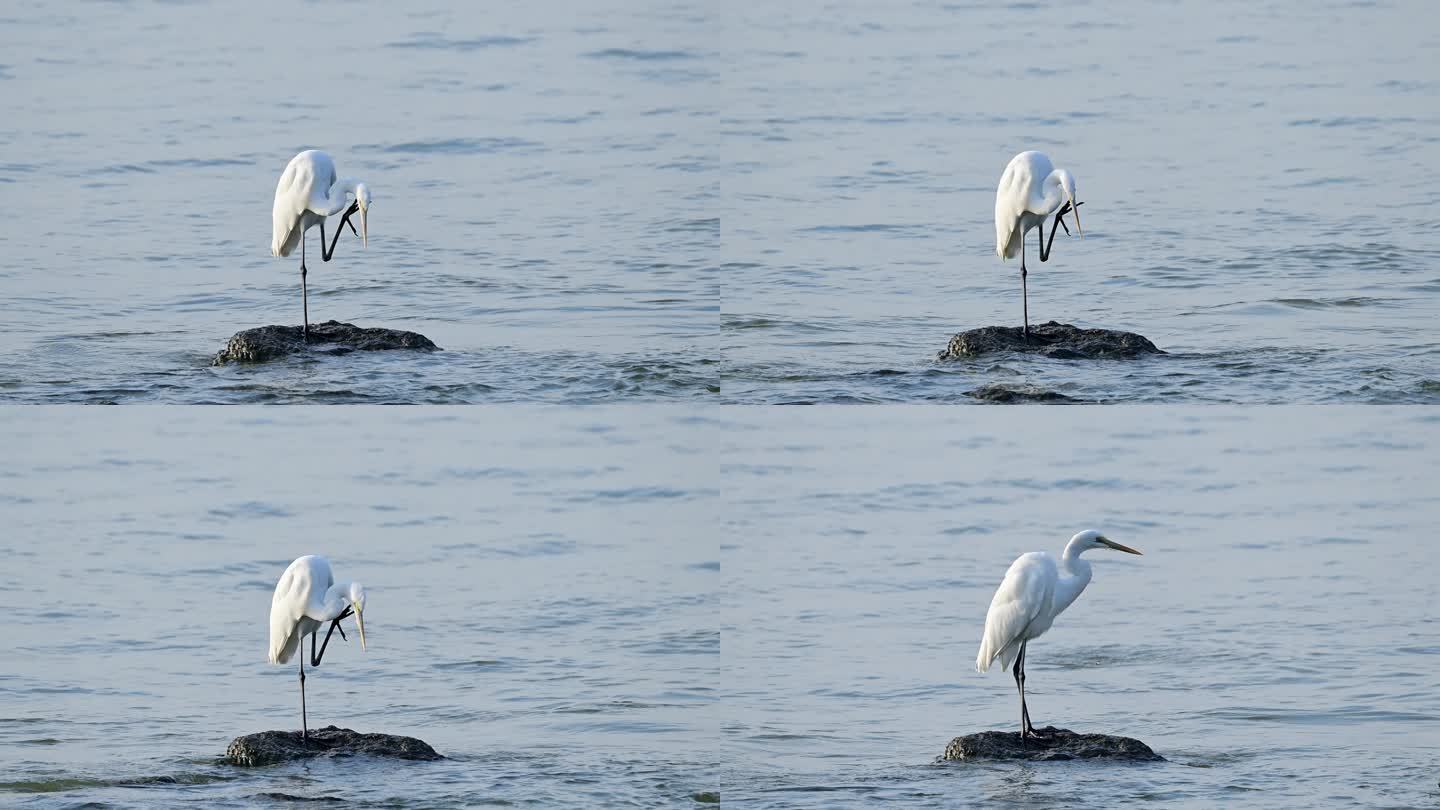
(1074, 576)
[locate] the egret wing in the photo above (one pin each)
(1011, 197)
(292, 196)
(1022, 597)
(287, 607)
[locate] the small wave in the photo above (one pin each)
(453, 146)
(441, 43)
(1362, 121)
(123, 168)
(632, 494)
(1344, 715)
(695, 642)
(1328, 303)
(870, 228)
(198, 163)
(479, 663)
(996, 392)
(63, 784)
(643, 56)
(250, 509)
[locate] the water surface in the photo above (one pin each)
(540, 605)
(543, 181)
(1254, 198)
(1276, 643)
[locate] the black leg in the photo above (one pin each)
(1020, 686)
(345, 220)
(304, 292)
(304, 724)
(335, 623)
(1059, 220)
(1029, 732)
(1024, 293)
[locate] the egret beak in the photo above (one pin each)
(1073, 209)
(360, 623)
(1102, 541)
(365, 235)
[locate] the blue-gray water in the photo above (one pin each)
(543, 179)
(1255, 175)
(540, 607)
(1277, 642)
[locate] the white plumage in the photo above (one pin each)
(1030, 189)
(306, 598)
(1020, 609)
(307, 194)
(1036, 589)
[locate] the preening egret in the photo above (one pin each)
(1030, 190)
(1036, 589)
(307, 193)
(306, 597)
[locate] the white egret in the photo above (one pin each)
(1030, 190)
(1036, 589)
(307, 193)
(306, 597)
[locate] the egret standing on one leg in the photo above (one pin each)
(307, 193)
(306, 597)
(1036, 589)
(1030, 190)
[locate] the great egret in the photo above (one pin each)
(307, 193)
(306, 597)
(1036, 589)
(1030, 190)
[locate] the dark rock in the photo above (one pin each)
(332, 337)
(1059, 340)
(1059, 743)
(274, 747)
(996, 392)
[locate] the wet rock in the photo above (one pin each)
(274, 747)
(265, 343)
(1059, 340)
(1058, 744)
(996, 392)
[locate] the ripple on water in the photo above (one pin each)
(638, 55)
(434, 41)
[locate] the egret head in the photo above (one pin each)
(1090, 538)
(1067, 187)
(357, 604)
(362, 198)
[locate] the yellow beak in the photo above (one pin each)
(1102, 541)
(1073, 210)
(360, 623)
(365, 233)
